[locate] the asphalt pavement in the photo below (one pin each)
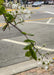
(41, 24)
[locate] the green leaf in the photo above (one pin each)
(9, 17)
(24, 33)
(28, 54)
(4, 27)
(27, 33)
(33, 53)
(2, 10)
(30, 34)
(27, 47)
(28, 40)
(1, 1)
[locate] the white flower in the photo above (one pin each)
(20, 11)
(28, 12)
(27, 15)
(21, 19)
(46, 62)
(25, 11)
(7, 4)
(46, 67)
(19, 7)
(40, 63)
(14, 6)
(12, 13)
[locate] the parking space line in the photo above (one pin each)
(30, 8)
(10, 9)
(49, 20)
(2, 24)
(36, 19)
(39, 22)
(39, 19)
(33, 21)
(22, 43)
(49, 12)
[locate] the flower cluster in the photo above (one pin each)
(44, 62)
(20, 13)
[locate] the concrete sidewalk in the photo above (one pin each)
(23, 68)
(38, 71)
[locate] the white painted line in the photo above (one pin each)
(49, 12)
(22, 43)
(45, 49)
(39, 22)
(16, 42)
(49, 20)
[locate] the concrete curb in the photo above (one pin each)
(20, 67)
(17, 68)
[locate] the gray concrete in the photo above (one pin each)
(20, 67)
(11, 53)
